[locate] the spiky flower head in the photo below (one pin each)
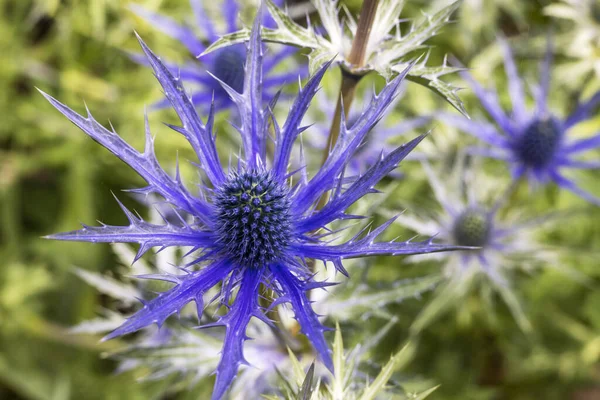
(227, 64)
(471, 217)
(534, 144)
(256, 224)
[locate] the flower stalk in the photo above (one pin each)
(349, 79)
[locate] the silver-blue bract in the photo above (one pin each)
(256, 224)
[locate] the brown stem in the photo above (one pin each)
(356, 59)
(363, 31)
(347, 90)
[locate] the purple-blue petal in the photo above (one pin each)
(144, 163)
(542, 95)
(366, 246)
(205, 23)
(479, 129)
(171, 28)
(349, 140)
(569, 185)
(582, 145)
(191, 287)
(583, 111)
(365, 184)
(195, 132)
(231, 11)
(515, 85)
(139, 231)
(243, 309)
(489, 100)
(294, 291)
(292, 127)
(251, 109)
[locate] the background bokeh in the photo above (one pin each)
(52, 177)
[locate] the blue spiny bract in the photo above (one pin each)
(470, 215)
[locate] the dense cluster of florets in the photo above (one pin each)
(472, 228)
(253, 218)
(539, 142)
(228, 66)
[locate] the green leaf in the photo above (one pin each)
(396, 49)
(444, 298)
(358, 303)
(287, 32)
(230, 39)
(338, 384)
(515, 308)
(306, 390)
(429, 78)
(426, 393)
(110, 287)
(399, 360)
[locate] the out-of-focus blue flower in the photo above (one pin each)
(255, 224)
(469, 217)
(226, 64)
(533, 143)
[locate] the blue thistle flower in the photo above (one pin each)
(534, 144)
(251, 225)
(467, 223)
(469, 216)
(226, 64)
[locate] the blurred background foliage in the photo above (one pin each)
(52, 177)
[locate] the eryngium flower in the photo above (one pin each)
(534, 144)
(253, 225)
(226, 64)
(467, 218)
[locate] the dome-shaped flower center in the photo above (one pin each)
(228, 66)
(472, 228)
(253, 218)
(538, 143)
